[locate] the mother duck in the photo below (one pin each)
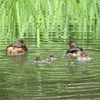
(16, 48)
(73, 50)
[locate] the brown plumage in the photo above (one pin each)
(73, 49)
(16, 48)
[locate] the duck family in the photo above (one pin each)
(75, 51)
(19, 48)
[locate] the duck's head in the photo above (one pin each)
(72, 43)
(37, 58)
(21, 41)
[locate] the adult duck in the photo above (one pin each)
(16, 48)
(73, 50)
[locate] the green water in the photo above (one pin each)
(22, 79)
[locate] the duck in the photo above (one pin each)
(73, 50)
(51, 57)
(37, 60)
(83, 57)
(17, 48)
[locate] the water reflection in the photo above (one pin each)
(18, 59)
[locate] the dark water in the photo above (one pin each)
(62, 79)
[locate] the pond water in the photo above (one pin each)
(61, 79)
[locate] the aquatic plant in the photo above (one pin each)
(49, 20)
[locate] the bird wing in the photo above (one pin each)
(74, 49)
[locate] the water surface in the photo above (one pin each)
(66, 79)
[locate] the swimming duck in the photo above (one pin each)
(37, 60)
(16, 48)
(83, 57)
(51, 57)
(73, 50)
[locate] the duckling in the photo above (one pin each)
(83, 57)
(51, 57)
(37, 60)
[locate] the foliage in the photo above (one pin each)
(49, 19)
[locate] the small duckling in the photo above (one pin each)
(37, 60)
(51, 57)
(84, 57)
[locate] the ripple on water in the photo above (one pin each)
(22, 79)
